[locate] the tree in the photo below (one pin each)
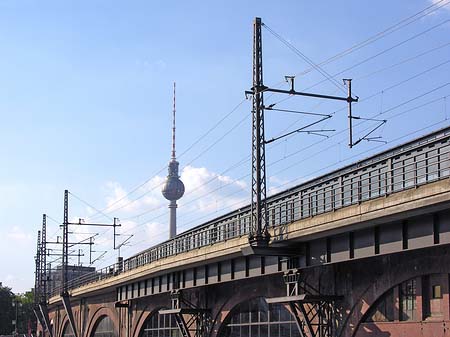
(26, 317)
(7, 313)
(12, 305)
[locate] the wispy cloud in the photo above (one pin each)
(445, 7)
(16, 233)
(153, 65)
(145, 213)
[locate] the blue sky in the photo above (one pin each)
(86, 99)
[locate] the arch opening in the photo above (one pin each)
(67, 331)
(416, 304)
(256, 318)
(160, 325)
(104, 327)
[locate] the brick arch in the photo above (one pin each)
(229, 307)
(390, 278)
(99, 313)
(145, 314)
(373, 301)
(242, 293)
(64, 321)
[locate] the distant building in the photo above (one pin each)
(54, 282)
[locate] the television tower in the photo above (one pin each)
(173, 188)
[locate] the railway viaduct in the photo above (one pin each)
(361, 251)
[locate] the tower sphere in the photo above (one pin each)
(173, 188)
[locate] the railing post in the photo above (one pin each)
(390, 173)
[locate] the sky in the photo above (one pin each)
(86, 103)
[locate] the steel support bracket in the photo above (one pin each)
(39, 317)
(271, 251)
(66, 303)
(191, 320)
(313, 312)
(44, 312)
(122, 304)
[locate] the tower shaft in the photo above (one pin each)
(173, 219)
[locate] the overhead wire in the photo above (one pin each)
(204, 135)
(315, 171)
(357, 124)
(304, 57)
(366, 98)
(397, 26)
(367, 59)
(358, 46)
(89, 205)
(383, 52)
(391, 29)
(316, 66)
(390, 109)
(199, 155)
(246, 159)
(353, 156)
(409, 59)
(303, 149)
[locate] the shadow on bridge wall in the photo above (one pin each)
(364, 283)
(361, 282)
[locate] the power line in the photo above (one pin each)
(390, 109)
(401, 24)
(219, 139)
(329, 77)
(237, 106)
(342, 131)
(381, 91)
(289, 155)
(305, 58)
(303, 149)
(403, 61)
(383, 51)
(89, 205)
(315, 171)
(183, 153)
(189, 163)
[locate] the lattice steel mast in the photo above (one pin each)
(43, 277)
(259, 234)
(313, 311)
(65, 244)
(37, 274)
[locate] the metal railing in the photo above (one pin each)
(410, 165)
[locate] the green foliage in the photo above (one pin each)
(7, 313)
(16, 306)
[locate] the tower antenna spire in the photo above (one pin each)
(173, 122)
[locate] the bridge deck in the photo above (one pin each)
(408, 177)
